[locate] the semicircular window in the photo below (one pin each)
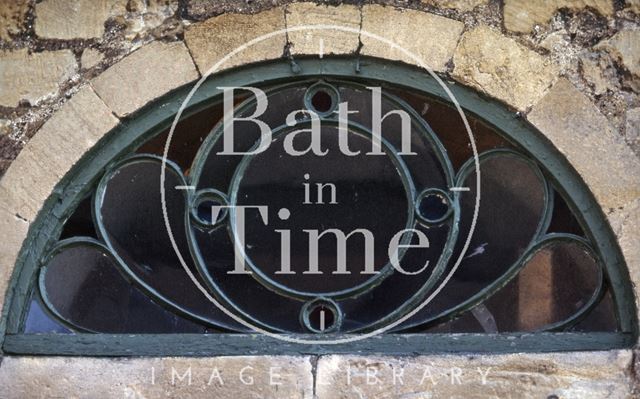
(330, 204)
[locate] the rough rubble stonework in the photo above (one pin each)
(625, 46)
(523, 15)
(578, 36)
(90, 58)
(80, 19)
(30, 77)
(462, 5)
(13, 15)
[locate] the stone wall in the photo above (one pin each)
(49, 49)
(71, 70)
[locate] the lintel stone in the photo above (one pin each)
(565, 375)
(238, 377)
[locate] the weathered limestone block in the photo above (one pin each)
(212, 40)
(523, 15)
(600, 72)
(145, 75)
(75, 19)
(49, 155)
(502, 68)
(625, 46)
(33, 76)
(222, 377)
(323, 41)
(577, 128)
(439, 35)
(13, 15)
(566, 375)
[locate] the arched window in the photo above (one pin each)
(358, 213)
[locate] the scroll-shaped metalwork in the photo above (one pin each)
(528, 268)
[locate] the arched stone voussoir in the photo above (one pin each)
(429, 37)
(145, 75)
(324, 41)
(212, 40)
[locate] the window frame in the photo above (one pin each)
(158, 116)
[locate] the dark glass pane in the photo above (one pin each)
(396, 292)
(83, 285)
(312, 193)
(133, 223)
(241, 291)
(512, 209)
(426, 169)
(188, 135)
(563, 220)
(80, 223)
(40, 321)
(602, 318)
(216, 170)
(335, 191)
(136, 283)
(445, 120)
(556, 283)
(465, 323)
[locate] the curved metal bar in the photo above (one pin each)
(153, 119)
(386, 270)
(306, 312)
(595, 298)
(512, 271)
(426, 131)
(61, 246)
(127, 271)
